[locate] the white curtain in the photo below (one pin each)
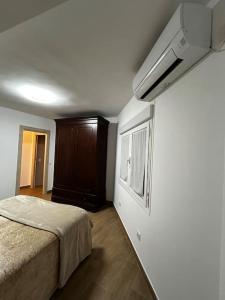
(124, 157)
(138, 156)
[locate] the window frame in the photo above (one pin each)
(144, 201)
(128, 178)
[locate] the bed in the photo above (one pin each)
(41, 244)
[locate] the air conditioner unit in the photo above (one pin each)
(183, 42)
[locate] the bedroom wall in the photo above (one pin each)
(111, 158)
(218, 26)
(10, 121)
(182, 240)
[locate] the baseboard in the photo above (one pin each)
(138, 259)
(49, 191)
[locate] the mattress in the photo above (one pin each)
(29, 262)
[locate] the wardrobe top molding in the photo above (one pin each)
(83, 120)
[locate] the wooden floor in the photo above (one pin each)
(36, 192)
(112, 271)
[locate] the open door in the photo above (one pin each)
(32, 164)
(39, 161)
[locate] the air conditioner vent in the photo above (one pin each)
(162, 77)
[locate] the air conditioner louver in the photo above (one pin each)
(162, 77)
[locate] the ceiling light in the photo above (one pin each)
(38, 93)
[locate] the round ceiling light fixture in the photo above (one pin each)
(43, 94)
(38, 94)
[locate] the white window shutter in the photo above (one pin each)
(124, 157)
(138, 161)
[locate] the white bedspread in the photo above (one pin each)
(71, 224)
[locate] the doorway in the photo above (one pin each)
(32, 167)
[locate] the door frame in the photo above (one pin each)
(46, 159)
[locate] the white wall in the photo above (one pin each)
(218, 25)
(182, 241)
(222, 256)
(111, 159)
(10, 120)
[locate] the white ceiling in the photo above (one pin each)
(14, 12)
(89, 50)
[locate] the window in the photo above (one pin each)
(124, 157)
(136, 162)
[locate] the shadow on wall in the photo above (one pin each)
(111, 161)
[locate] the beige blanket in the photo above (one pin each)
(29, 262)
(71, 225)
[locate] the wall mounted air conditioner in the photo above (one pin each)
(183, 42)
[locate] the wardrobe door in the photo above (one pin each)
(64, 156)
(84, 167)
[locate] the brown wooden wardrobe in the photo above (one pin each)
(80, 162)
